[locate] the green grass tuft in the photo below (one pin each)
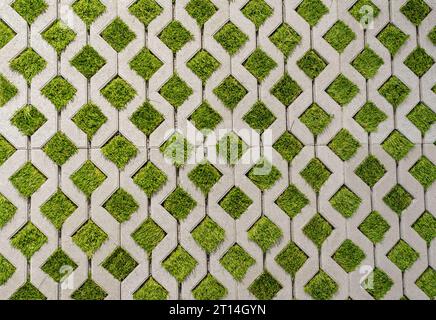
(237, 262)
(312, 64)
(120, 264)
(403, 255)
(27, 180)
(392, 38)
(318, 229)
(381, 284)
(205, 118)
(119, 150)
(7, 211)
(146, 118)
(370, 170)
(348, 256)
(176, 149)
(316, 119)
(425, 226)
(175, 36)
(422, 117)
(6, 34)
(285, 38)
(150, 178)
(312, 11)
(265, 287)
(424, 171)
(315, 174)
(59, 36)
(369, 117)
(264, 175)
(291, 259)
(179, 203)
(28, 64)
(340, 36)
(208, 235)
(30, 10)
(88, 10)
(342, 90)
(259, 117)
(201, 10)
(344, 145)
(209, 289)
(286, 90)
(345, 201)
(7, 91)
(121, 205)
(367, 63)
(292, 201)
(235, 202)
(28, 120)
(397, 145)
(321, 286)
(145, 63)
(28, 292)
(88, 178)
(58, 208)
(264, 233)
(203, 64)
(55, 264)
(88, 62)
(231, 38)
(60, 148)
(7, 269)
(89, 290)
(148, 235)
(398, 199)
(59, 91)
(358, 10)
(426, 282)
(146, 11)
(89, 119)
(176, 91)
(257, 11)
(29, 239)
(288, 146)
(205, 176)
(374, 227)
(6, 150)
(90, 237)
(230, 92)
(118, 35)
(151, 290)
(180, 264)
(118, 92)
(419, 61)
(416, 11)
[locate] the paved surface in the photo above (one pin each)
(179, 232)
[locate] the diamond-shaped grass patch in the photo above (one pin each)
(119, 150)
(175, 36)
(30, 10)
(235, 202)
(60, 148)
(209, 289)
(7, 269)
(230, 92)
(318, 229)
(59, 36)
(231, 38)
(176, 91)
(312, 11)
(118, 92)
(146, 118)
(426, 282)
(118, 35)
(208, 235)
(59, 91)
(89, 119)
(6, 150)
(148, 235)
(370, 170)
(369, 117)
(56, 264)
(286, 90)
(422, 117)
(344, 145)
(204, 176)
(349, 256)
(312, 64)
(90, 237)
(392, 38)
(292, 201)
(264, 233)
(58, 208)
(425, 226)
(6, 34)
(121, 205)
(316, 119)
(291, 259)
(28, 64)
(378, 284)
(145, 63)
(179, 203)
(416, 11)
(321, 286)
(88, 62)
(345, 201)
(288, 146)
(150, 178)
(231, 148)
(315, 174)
(201, 10)
(120, 264)
(176, 149)
(28, 240)
(259, 64)
(367, 63)
(342, 90)
(237, 262)
(397, 145)
(151, 290)
(205, 117)
(28, 292)
(88, 10)
(203, 64)
(432, 35)
(285, 38)
(419, 61)
(88, 178)
(28, 120)
(361, 8)
(7, 90)
(264, 175)
(403, 255)
(340, 36)
(180, 264)
(424, 171)
(257, 11)
(265, 287)
(89, 290)
(145, 10)
(27, 180)
(7, 210)
(259, 117)
(398, 199)
(374, 227)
